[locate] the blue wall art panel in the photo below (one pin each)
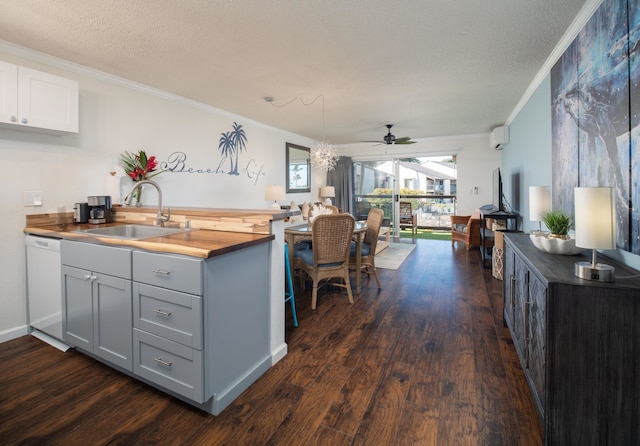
(634, 81)
(596, 104)
(564, 153)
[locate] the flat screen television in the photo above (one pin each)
(496, 199)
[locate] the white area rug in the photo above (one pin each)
(393, 256)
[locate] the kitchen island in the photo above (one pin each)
(218, 285)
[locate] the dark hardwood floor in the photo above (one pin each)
(425, 361)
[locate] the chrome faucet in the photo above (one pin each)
(160, 219)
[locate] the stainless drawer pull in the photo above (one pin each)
(161, 271)
(162, 362)
(162, 312)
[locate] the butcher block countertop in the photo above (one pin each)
(214, 232)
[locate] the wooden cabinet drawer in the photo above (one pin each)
(100, 258)
(173, 366)
(171, 271)
(171, 314)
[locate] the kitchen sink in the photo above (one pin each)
(131, 232)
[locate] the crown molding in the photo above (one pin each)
(570, 34)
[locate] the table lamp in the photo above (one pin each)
(539, 203)
(328, 192)
(274, 193)
(595, 224)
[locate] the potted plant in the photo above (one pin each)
(558, 223)
(558, 241)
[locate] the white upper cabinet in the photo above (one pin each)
(8, 92)
(33, 100)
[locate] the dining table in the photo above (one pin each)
(293, 234)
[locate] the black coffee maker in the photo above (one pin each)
(99, 209)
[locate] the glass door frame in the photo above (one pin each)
(370, 176)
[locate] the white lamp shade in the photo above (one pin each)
(539, 202)
(595, 220)
(274, 193)
(328, 191)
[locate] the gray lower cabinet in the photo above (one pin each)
(201, 326)
(524, 307)
(578, 342)
(195, 328)
(168, 322)
(96, 289)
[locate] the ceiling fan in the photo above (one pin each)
(391, 139)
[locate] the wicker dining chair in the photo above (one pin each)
(303, 244)
(329, 256)
(369, 244)
(333, 209)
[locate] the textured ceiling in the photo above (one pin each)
(431, 67)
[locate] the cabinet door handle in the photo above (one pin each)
(13, 118)
(162, 312)
(24, 121)
(163, 362)
(90, 277)
(161, 271)
(527, 334)
(513, 291)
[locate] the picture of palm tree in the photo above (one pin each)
(296, 177)
(231, 144)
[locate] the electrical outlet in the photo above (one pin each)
(32, 198)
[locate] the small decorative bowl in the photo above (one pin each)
(553, 245)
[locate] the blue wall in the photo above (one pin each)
(526, 160)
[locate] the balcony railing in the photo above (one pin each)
(432, 211)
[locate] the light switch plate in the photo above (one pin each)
(32, 198)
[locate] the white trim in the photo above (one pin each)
(13, 333)
(278, 353)
(391, 156)
(570, 34)
(50, 340)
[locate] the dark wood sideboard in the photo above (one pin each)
(578, 343)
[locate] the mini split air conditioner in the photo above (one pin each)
(499, 137)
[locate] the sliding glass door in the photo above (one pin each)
(427, 183)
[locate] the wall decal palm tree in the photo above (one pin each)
(239, 138)
(225, 145)
(231, 144)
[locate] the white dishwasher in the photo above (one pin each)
(44, 290)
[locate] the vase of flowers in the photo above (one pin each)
(138, 166)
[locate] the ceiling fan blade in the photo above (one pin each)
(405, 142)
(403, 139)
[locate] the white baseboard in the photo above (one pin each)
(278, 353)
(13, 333)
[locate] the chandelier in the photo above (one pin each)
(324, 156)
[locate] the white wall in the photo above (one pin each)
(475, 163)
(116, 116)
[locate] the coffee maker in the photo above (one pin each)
(81, 212)
(99, 209)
